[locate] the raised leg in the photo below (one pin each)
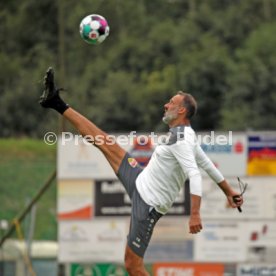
(112, 151)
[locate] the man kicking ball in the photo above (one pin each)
(152, 190)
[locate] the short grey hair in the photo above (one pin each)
(189, 103)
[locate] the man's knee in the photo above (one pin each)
(131, 261)
(134, 264)
(135, 269)
(129, 264)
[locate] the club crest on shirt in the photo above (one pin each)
(132, 162)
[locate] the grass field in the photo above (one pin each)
(25, 165)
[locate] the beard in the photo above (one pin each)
(169, 116)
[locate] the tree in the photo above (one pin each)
(251, 102)
(212, 49)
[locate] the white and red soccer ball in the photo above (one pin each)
(94, 29)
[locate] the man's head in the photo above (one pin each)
(180, 109)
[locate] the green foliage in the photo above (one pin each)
(24, 166)
(204, 74)
(253, 96)
(221, 51)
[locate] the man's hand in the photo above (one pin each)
(195, 223)
(195, 220)
(235, 200)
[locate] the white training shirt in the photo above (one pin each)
(170, 165)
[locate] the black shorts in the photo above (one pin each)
(143, 216)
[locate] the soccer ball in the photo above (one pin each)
(94, 29)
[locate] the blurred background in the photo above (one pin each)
(222, 52)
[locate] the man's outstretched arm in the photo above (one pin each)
(234, 198)
(185, 156)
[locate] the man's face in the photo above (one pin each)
(172, 109)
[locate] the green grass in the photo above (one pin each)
(25, 165)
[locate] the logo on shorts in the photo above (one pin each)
(132, 162)
(136, 244)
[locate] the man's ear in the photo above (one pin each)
(182, 110)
